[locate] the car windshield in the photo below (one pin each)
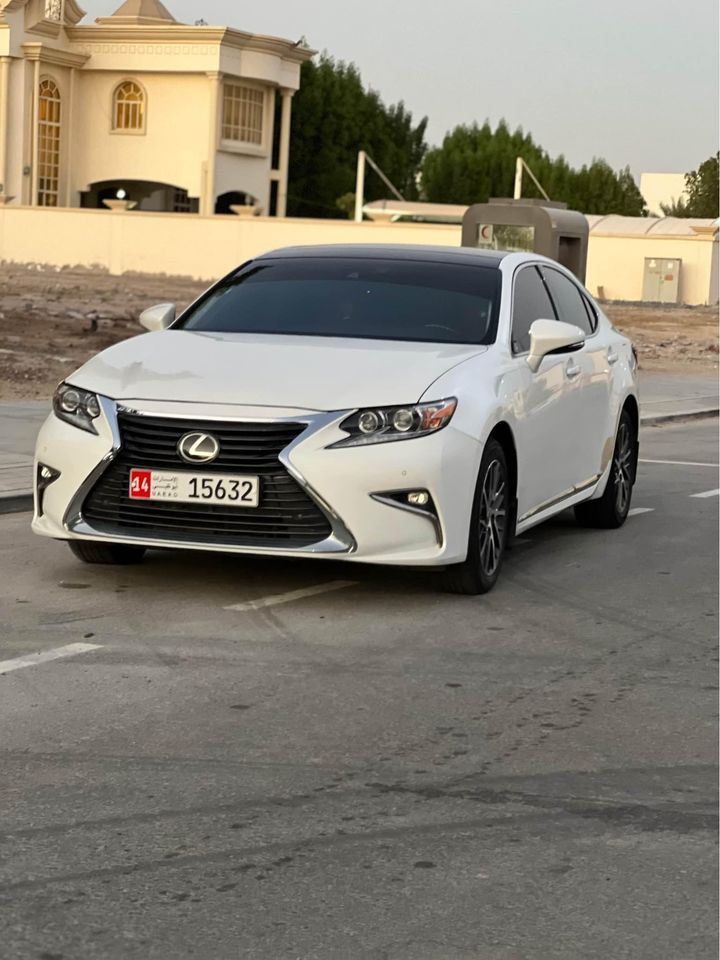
(380, 299)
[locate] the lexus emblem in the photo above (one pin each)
(198, 447)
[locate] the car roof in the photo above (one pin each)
(390, 251)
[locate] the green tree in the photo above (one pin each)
(476, 163)
(703, 192)
(334, 116)
(702, 189)
(676, 208)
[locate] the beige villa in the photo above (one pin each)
(138, 107)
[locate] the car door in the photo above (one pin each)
(546, 425)
(591, 373)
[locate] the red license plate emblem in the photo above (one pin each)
(140, 484)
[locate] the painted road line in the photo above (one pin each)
(33, 659)
(636, 511)
(706, 493)
(292, 595)
(682, 463)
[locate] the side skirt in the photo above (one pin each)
(578, 494)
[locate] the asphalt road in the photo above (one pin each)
(377, 771)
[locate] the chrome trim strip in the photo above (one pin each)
(339, 541)
(299, 418)
(578, 488)
(73, 514)
(433, 518)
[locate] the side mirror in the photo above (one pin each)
(552, 336)
(159, 317)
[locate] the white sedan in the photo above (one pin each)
(375, 404)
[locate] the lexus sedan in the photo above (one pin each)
(376, 404)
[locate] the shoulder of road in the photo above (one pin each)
(664, 398)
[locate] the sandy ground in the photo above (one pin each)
(53, 321)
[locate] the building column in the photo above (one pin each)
(207, 199)
(284, 159)
(4, 98)
(69, 145)
(34, 136)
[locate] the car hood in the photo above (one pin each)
(313, 373)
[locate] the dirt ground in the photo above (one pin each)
(51, 321)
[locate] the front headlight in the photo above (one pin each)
(381, 424)
(76, 406)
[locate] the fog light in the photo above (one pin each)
(418, 498)
(45, 476)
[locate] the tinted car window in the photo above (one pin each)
(380, 299)
(568, 300)
(530, 303)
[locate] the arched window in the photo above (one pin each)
(129, 107)
(48, 144)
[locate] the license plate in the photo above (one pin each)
(185, 487)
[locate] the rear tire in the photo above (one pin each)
(611, 510)
(112, 553)
(489, 528)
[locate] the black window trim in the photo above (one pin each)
(580, 290)
(595, 319)
(535, 265)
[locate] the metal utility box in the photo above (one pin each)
(538, 226)
(661, 280)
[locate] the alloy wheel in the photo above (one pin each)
(622, 468)
(492, 517)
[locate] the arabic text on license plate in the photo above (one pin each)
(184, 487)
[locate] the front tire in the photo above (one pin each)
(611, 510)
(489, 528)
(110, 553)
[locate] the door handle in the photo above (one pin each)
(572, 370)
(612, 356)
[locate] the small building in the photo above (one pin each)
(654, 259)
(142, 111)
(662, 190)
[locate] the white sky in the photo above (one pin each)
(634, 81)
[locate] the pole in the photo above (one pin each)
(521, 166)
(517, 195)
(535, 181)
(391, 186)
(360, 186)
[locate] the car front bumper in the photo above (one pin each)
(360, 490)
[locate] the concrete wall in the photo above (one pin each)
(208, 247)
(180, 244)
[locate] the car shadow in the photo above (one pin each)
(191, 571)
